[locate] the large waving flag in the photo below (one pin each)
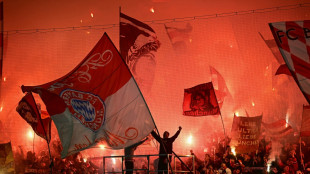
(138, 45)
(293, 40)
(97, 102)
(305, 123)
(200, 100)
(28, 110)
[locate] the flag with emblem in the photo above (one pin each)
(293, 40)
(98, 102)
(200, 100)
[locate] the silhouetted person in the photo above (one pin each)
(165, 148)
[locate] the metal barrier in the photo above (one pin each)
(148, 164)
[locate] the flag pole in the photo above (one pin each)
(221, 117)
(48, 146)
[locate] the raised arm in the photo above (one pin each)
(176, 134)
(157, 137)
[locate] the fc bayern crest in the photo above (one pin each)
(86, 107)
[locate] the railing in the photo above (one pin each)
(147, 170)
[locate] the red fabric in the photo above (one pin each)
(200, 100)
(28, 110)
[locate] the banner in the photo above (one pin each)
(138, 47)
(27, 109)
(305, 123)
(293, 38)
(200, 100)
(277, 129)
(6, 158)
(97, 102)
(245, 134)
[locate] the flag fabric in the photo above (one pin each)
(305, 123)
(277, 129)
(245, 133)
(136, 39)
(200, 100)
(138, 47)
(179, 36)
(6, 158)
(272, 45)
(283, 69)
(220, 86)
(292, 38)
(97, 102)
(27, 109)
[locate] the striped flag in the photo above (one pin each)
(293, 40)
(277, 129)
(98, 102)
(305, 123)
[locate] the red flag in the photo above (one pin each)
(292, 39)
(277, 129)
(179, 36)
(28, 110)
(283, 69)
(200, 100)
(305, 123)
(220, 86)
(97, 102)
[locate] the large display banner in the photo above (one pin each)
(245, 133)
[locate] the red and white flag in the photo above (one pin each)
(277, 129)
(293, 40)
(305, 123)
(220, 86)
(200, 100)
(27, 109)
(97, 102)
(180, 36)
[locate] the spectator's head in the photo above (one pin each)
(223, 166)
(166, 134)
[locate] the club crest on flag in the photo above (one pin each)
(87, 108)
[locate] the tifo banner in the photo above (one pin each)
(293, 40)
(245, 133)
(27, 109)
(97, 102)
(200, 100)
(6, 158)
(305, 123)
